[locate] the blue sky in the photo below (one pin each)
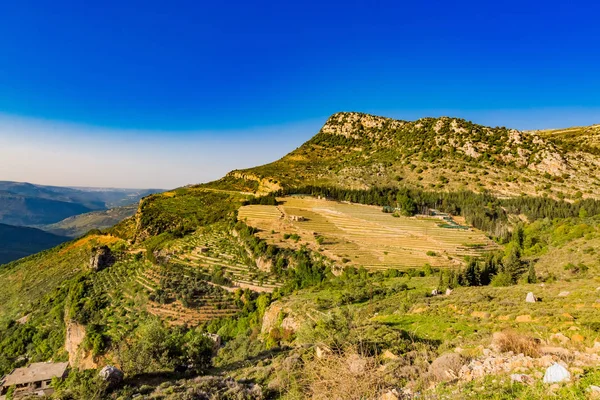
(210, 75)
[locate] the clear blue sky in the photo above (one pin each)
(198, 69)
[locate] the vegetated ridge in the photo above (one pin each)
(360, 151)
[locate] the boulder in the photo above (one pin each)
(321, 352)
(449, 292)
(530, 298)
(435, 292)
(112, 375)
(216, 339)
(556, 374)
(446, 367)
(101, 258)
(559, 337)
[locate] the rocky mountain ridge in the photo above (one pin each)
(360, 151)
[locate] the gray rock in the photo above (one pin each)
(556, 373)
(594, 389)
(530, 298)
(112, 375)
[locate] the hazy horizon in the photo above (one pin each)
(76, 155)
(167, 94)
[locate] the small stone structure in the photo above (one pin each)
(101, 258)
(297, 218)
(34, 379)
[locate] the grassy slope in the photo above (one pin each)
(26, 281)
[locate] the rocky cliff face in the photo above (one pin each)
(78, 357)
(450, 136)
(265, 185)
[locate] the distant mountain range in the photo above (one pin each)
(18, 242)
(26, 204)
(61, 211)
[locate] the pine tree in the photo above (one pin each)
(531, 276)
(441, 285)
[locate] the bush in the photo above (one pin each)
(509, 340)
(502, 279)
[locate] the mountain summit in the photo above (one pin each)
(356, 150)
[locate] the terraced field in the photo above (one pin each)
(118, 285)
(363, 235)
(215, 250)
(127, 287)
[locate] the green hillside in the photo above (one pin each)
(382, 259)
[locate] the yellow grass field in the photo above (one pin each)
(361, 235)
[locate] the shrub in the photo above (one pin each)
(502, 279)
(510, 340)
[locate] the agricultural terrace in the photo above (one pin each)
(215, 252)
(361, 235)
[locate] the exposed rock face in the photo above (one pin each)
(101, 258)
(525, 149)
(216, 341)
(75, 334)
(265, 185)
(264, 264)
(290, 321)
(351, 124)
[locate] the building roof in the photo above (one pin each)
(35, 372)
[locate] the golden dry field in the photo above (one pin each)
(361, 235)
